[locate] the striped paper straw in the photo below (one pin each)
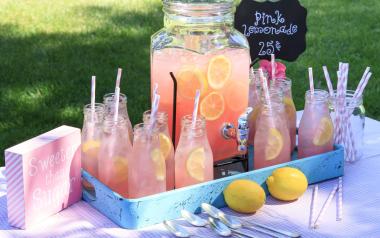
(340, 200)
(311, 81)
(195, 110)
(312, 206)
(264, 84)
(336, 109)
(360, 89)
(325, 206)
(273, 64)
(117, 96)
(153, 113)
(341, 97)
(93, 82)
(364, 76)
(343, 128)
(328, 81)
(118, 77)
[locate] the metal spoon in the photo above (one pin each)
(178, 230)
(219, 227)
(194, 219)
(234, 223)
(198, 221)
(215, 223)
(217, 213)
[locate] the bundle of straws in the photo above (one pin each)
(343, 111)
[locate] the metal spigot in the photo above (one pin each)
(240, 134)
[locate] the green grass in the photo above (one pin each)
(49, 49)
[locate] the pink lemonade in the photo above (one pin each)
(91, 137)
(193, 156)
(146, 168)
(222, 77)
(166, 145)
(114, 155)
(272, 141)
(284, 85)
(316, 131)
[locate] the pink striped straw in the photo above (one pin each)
(342, 128)
(312, 206)
(336, 110)
(328, 81)
(195, 110)
(118, 77)
(264, 83)
(273, 64)
(311, 81)
(325, 206)
(93, 83)
(153, 113)
(339, 216)
(364, 84)
(117, 97)
(360, 85)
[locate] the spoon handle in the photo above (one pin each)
(243, 234)
(286, 233)
(264, 231)
(239, 236)
(197, 236)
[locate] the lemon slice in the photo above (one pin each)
(324, 132)
(212, 106)
(165, 145)
(219, 71)
(90, 144)
(195, 164)
(159, 164)
(189, 79)
(275, 144)
(120, 169)
(289, 105)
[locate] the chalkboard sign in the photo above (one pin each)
(271, 27)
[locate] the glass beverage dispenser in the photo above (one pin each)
(199, 45)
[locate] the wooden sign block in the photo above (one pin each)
(43, 176)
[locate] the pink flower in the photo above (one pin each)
(280, 69)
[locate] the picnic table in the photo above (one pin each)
(361, 210)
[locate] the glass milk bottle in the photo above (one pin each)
(357, 119)
(109, 102)
(166, 144)
(316, 130)
(254, 102)
(146, 169)
(193, 155)
(115, 153)
(272, 141)
(285, 86)
(203, 50)
(91, 137)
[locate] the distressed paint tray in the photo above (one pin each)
(138, 213)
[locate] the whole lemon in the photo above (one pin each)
(287, 183)
(244, 196)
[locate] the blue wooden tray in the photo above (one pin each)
(138, 213)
